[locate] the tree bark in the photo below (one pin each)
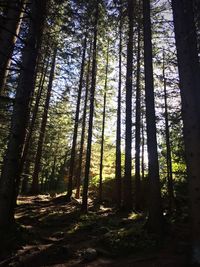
(8, 37)
(127, 201)
(118, 171)
(91, 114)
(155, 220)
(79, 172)
(170, 185)
(103, 127)
(138, 127)
(30, 129)
(73, 151)
(35, 178)
(188, 65)
(20, 115)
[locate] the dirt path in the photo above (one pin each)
(56, 234)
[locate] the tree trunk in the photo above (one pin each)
(143, 144)
(35, 181)
(35, 112)
(138, 128)
(188, 66)
(8, 37)
(170, 186)
(79, 172)
(127, 203)
(31, 128)
(91, 114)
(24, 188)
(73, 151)
(118, 171)
(155, 219)
(20, 115)
(103, 128)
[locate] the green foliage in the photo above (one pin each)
(126, 240)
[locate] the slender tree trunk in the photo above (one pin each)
(155, 220)
(35, 180)
(8, 37)
(143, 144)
(168, 147)
(91, 114)
(188, 66)
(35, 112)
(138, 128)
(20, 115)
(118, 171)
(31, 128)
(52, 175)
(79, 172)
(103, 128)
(24, 188)
(128, 133)
(73, 151)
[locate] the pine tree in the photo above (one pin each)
(8, 36)
(103, 127)
(91, 114)
(35, 179)
(155, 220)
(80, 160)
(188, 65)
(118, 172)
(138, 124)
(127, 199)
(74, 141)
(21, 114)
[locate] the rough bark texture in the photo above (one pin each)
(188, 65)
(74, 141)
(8, 36)
(20, 114)
(127, 198)
(35, 181)
(155, 219)
(92, 93)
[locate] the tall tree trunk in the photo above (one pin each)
(170, 186)
(52, 180)
(20, 115)
(127, 203)
(138, 128)
(79, 172)
(35, 112)
(118, 171)
(155, 219)
(103, 127)
(188, 66)
(31, 128)
(24, 188)
(143, 144)
(8, 37)
(35, 181)
(73, 151)
(91, 114)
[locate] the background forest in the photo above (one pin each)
(99, 107)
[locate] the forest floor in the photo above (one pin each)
(57, 234)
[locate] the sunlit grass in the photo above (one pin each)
(135, 216)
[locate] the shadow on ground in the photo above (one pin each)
(51, 233)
